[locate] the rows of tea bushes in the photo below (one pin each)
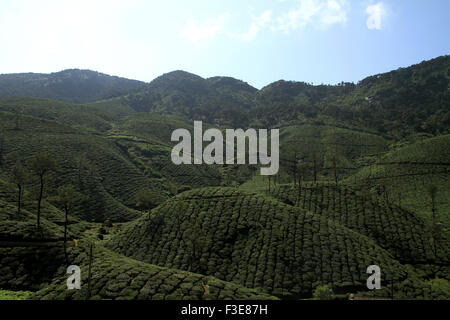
(408, 172)
(29, 266)
(155, 161)
(255, 241)
(399, 231)
(100, 176)
(116, 277)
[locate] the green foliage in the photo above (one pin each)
(407, 236)
(215, 100)
(323, 293)
(42, 163)
(252, 240)
(14, 295)
(74, 85)
(183, 189)
(78, 116)
(121, 278)
(380, 192)
(146, 199)
(408, 171)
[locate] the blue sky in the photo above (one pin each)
(318, 41)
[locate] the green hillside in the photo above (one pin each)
(77, 86)
(253, 240)
(217, 100)
(364, 179)
(406, 173)
(399, 103)
(119, 278)
(402, 233)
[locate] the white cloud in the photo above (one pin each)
(376, 12)
(196, 31)
(319, 13)
(258, 23)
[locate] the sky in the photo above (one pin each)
(257, 41)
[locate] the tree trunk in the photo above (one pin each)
(39, 203)
(90, 271)
(66, 222)
(20, 199)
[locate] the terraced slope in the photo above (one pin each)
(310, 142)
(100, 177)
(255, 241)
(117, 277)
(399, 231)
(15, 227)
(78, 116)
(407, 172)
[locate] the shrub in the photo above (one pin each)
(323, 293)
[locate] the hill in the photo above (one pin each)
(216, 100)
(254, 241)
(398, 103)
(407, 172)
(74, 85)
(120, 278)
(404, 234)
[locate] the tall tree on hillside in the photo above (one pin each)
(82, 164)
(432, 191)
(68, 197)
(42, 164)
(334, 164)
(195, 240)
(20, 176)
(315, 165)
(2, 143)
(18, 119)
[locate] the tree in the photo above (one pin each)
(68, 197)
(432, 191)
(195, 240)
(20, 177)
(82, 163)
(334, 165)
(42, 164)
(323, 293)
(18, 118)
(2, 143)
(314, 159)
(146, 199)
